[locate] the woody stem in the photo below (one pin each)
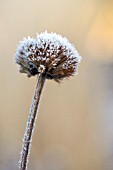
(31, 123)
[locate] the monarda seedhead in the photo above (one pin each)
(50, 54)
(51, 57)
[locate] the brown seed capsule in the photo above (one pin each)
(50, 54)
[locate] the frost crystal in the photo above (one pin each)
(49, 54)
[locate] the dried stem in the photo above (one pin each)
(30, 124)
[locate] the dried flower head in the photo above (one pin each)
(49, 54)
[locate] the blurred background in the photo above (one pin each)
(74, 129)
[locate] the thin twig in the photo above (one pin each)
(30, 124)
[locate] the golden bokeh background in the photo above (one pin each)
(74, 129)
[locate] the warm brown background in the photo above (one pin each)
(74, 130)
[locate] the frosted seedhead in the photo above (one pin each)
(49, 54)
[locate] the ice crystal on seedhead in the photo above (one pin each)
(49, 54)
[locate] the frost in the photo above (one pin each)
(52, 51)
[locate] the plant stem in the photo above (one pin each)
(30, 124)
